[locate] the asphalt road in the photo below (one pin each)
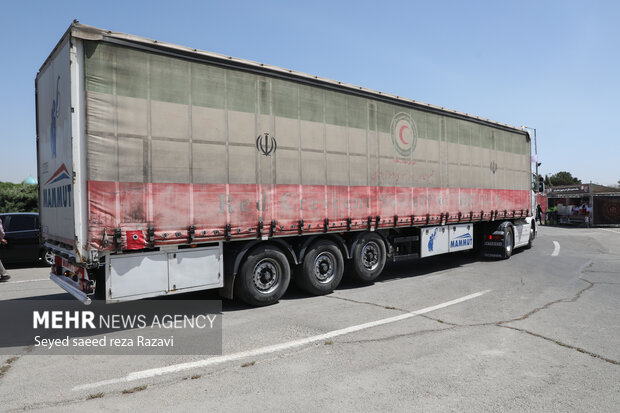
(539, 332)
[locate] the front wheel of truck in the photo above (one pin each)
(263, 277)
(531, 237)
(508, 242)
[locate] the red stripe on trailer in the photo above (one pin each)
(171, 209)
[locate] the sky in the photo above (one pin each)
(550, 65)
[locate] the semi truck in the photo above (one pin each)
(165, 169)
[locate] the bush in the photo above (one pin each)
(18, 197)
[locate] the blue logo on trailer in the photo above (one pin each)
(431, 240)
(464, 240)
(55, 113)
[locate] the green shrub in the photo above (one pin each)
(18, 197)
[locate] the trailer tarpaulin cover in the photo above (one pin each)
(174, 144)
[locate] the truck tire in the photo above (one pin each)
(369, 255)
(509, 243)
(322, 268)
(263, 277)
(531, 239)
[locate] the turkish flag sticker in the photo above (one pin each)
(135, 240)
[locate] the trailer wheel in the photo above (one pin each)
(368, 257)
(322, 268)
(263, 277)
(508, 242)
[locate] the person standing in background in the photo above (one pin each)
(539, 214)
(4, 276)
(554, 214)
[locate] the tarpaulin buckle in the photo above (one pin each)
(192, 233)
(259, 228)
(272, 228)
(151, 235)
(227, 232)
(118, 239)
(104, 239)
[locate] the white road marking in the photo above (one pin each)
(609, 230)
(144, 374)
(28, 281)
(556, 249)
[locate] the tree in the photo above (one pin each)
(18, 197)
(563, 178)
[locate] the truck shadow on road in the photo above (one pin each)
(393, 271)
(416, 268)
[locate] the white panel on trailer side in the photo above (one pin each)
(434, 241)
(54, 147)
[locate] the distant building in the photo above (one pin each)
(601, 204)
(30, 181)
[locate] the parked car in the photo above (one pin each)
(22, 232)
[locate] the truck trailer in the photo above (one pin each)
(164, 169)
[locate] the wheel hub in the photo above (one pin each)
(324, 267)
(370, 256)
(266, 276)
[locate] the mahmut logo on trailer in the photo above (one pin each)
(58, 196)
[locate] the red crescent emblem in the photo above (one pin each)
(400, 134)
